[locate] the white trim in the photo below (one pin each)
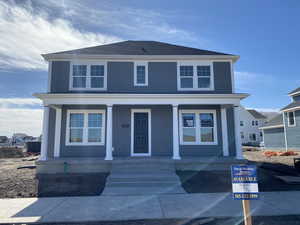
(270, 127)
(197, 127)
(57, 57)
(85, 127)
(49, 76)
(176, 153)
(88, 65)
(132, 132)
(291, 109)
(285, 134)
(44, 145)
(140, 99)
(294, 94)
(195, 76)
(57, 132)
(238, 144)
(289, 122)
(224, 132)
(109, 147)
(140, 63)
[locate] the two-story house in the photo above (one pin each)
(139, 98)
(283, 131)
(250, 122)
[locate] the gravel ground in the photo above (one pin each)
(16, 183)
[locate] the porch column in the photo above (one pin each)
(57, 132)
(44, 145)
(176, 154)
(238, 145)
(224, 131)
(109, 133)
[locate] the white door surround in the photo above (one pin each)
(148, 111)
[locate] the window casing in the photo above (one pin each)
(291, 119)
(140, 74)
(241, 123)
(88, 76)
(195, 76)
(198, 127)
(85, 127)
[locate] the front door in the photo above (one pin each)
(141, 133)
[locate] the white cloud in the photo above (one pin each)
(17, 115)
(26, 34)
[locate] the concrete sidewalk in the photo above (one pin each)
(112, 208)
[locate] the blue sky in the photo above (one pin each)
(265, 34)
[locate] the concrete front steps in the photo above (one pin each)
(145, 177)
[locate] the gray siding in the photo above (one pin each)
(162, 78)
(293, 133)
(161, 132)
(274, 138)
(296, 98)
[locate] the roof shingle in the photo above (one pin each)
(141, 48)
(255, 114)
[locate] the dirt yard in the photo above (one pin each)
(17, 183)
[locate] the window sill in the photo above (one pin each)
(196, 143)
(85, 144)
(195, 89)
(88, 89)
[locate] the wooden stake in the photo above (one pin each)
(247, 214)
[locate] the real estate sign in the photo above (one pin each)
(244, 182)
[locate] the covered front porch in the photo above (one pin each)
(164, 135)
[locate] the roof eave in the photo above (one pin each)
(53, 57)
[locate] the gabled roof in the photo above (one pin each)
(255, 114)
(141, 48)
(295, 91)
(291, 106)
(275, 122)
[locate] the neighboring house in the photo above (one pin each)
(140, 98)
(3, 139)
(250, 122)
(283, 131)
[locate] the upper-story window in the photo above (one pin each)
(195, 76)
(241, 123)
(291, 119)
(88, 76)
(140, 74)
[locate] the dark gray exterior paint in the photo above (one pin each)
(296, 98)
(274, 138)
(161, 132)
(162, 78)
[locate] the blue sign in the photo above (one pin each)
(244, 182)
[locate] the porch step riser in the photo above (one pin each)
(143, 184)
(144, 179)
(142, 191)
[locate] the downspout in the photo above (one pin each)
(284, 130)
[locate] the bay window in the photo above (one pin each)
(198, 127)
(88, 76)
(195, 76)
(85, 127)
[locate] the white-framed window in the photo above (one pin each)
(140, 74)
(88, 76)
(291, 119)
(241, 123)
(198, 127)
(85, 127)
(253, 123)
(256, 123)
(195, 76)
(252, 137)
(242, 135)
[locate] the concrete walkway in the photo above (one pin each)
(112, 208)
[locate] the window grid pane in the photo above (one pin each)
(97, 70)
(79, 70)
(94, 120)
(76, 120)
(97, 82)
(189, 134)
(206, 127)
(76, 135)
(188, 119)
(186, 71)
(203, 71)
(291, 118)
(203, 82)
(140, 74)
(94, 134)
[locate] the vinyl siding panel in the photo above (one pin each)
(274, 138)
(293, 133)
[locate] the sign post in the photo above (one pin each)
(245, 187)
